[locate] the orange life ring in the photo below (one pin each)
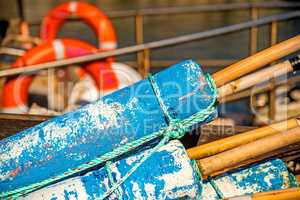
(15, 90)
(89, 14)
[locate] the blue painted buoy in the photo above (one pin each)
(168, 174)
(260, 177)
(65, 142)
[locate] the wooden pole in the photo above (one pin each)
(265, 88)
(245, 152)
(255, 78)
(278, 153)
(224, 144)
(256, 61)
(285, 194)
(13, 123)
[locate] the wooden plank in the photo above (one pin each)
(14, 123)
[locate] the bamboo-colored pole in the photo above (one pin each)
(245, 152)
(285, 194)
(278, 153)
(265, 88)
(255, 78)
(224, 144)
(256, 61)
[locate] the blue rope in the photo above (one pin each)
(111, 180)
(216, 188)
(159, 98)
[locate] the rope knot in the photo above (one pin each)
(176, 129)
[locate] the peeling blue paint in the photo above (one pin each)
(67, 141)
(259, 177)
(169, 174)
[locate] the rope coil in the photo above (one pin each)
(175, 130)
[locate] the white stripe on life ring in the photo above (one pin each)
(59, 49)
(108, 45)
(73, 6)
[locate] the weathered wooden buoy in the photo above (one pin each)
(167, 174)
(65, 142)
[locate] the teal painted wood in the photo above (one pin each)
(169, 174)
(260, 177)
(65, 142)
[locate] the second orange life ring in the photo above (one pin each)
(15, 90)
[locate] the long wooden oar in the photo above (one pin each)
(242, 153)
(250, 80)
(285, 194)
(256, 61)
(221, 145)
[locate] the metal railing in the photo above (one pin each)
(146, 48)
(138, 16)
(143, 50)
(253, 8)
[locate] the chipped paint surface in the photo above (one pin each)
(262, 177)
(67, 141)
(166, 175)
